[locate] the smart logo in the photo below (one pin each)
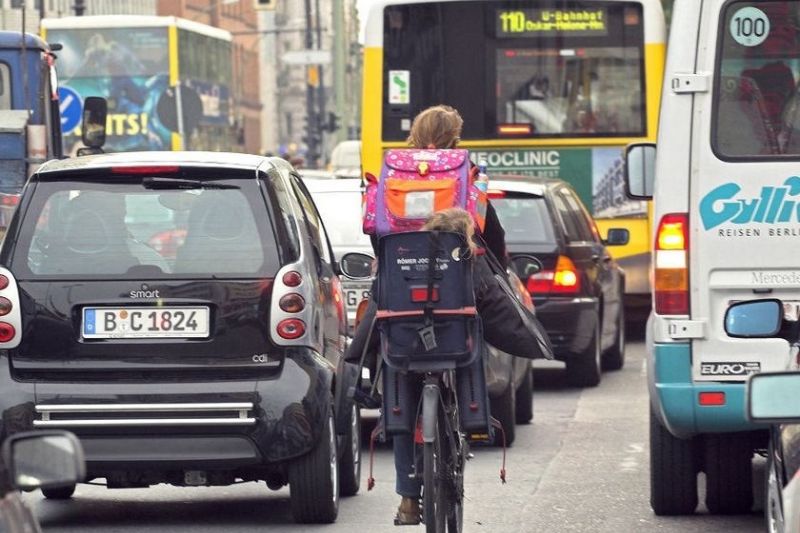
(774, 205)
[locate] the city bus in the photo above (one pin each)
(549, 88)
(166, 79)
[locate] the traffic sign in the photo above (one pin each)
(307, 57)
(71, 107)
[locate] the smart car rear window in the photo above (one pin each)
(128, 230)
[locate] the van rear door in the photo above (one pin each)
(744, 211)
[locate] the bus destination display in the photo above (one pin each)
(546, 22)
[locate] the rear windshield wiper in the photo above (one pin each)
(182, 183)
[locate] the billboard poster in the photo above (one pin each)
(127, 66)
(596, 174)
(130, 68)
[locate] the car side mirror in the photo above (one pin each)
(755, 319)
(617, 237)
(356, 266)
(93, 125)
(640, 170)
(773, 398)
(526, 265)
(44, 459)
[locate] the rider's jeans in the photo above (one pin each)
(404, 466)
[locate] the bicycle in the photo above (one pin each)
(430, 333)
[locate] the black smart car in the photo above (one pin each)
(576, 285)
(182, 315)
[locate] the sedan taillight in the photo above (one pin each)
(564, 279)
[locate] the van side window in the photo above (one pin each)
(757, 105)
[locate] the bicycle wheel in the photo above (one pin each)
(455, 460)
(434, 492)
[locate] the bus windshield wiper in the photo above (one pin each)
(183, 183)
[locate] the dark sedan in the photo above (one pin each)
(576, 285)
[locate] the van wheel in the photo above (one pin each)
(314, 480)
(502, 408)
(524, 407)
(673, 471)
(350, 461)
(59, 493)
(614, 358)
(727, 462)
(583, 369)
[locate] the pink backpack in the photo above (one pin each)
(414, 184)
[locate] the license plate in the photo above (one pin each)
(144, 322)
(353, 294)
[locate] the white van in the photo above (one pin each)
(727, 219)
(346, 159)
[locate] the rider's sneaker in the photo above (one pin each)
(408, 514)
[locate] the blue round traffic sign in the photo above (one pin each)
(71, 107)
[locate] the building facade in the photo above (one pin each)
(11, 11)
(334, 84)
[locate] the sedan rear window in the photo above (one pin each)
(525, 219)
(132, 231)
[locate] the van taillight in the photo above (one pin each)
(565, 279)
(672, 265)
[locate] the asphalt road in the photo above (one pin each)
(581, 466)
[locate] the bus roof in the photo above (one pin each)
(133, 21)
(11, 39)
(654, 23)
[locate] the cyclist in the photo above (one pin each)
(439, 127)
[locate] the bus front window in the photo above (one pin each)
(571, 91)
(559, 69)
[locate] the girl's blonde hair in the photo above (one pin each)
(456, 220)
(438, 127)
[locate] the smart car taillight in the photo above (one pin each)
(10, 311)
(672, 265)
(292, 303)
(5, 306)
(292, 279)
(152, 170)
(291, 328)
(7, 332)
